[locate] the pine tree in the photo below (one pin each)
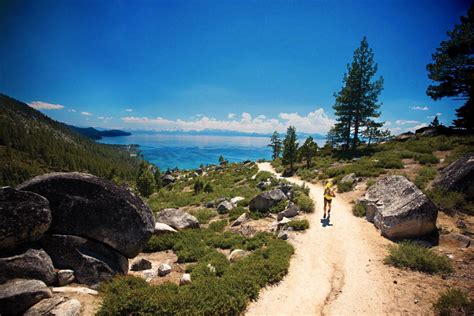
(290, 148)
(275, 144)
(145, 183)
(157, 177)
(435, 122)
(453, 70)
(222, 160)
(358, 99)
(372, 131)
(308, 150)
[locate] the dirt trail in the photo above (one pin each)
(337, 269)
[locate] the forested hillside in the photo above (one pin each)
(31, 144)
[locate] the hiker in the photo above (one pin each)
(328, 196)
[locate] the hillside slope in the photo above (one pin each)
(31, 144)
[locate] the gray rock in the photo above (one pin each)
(225, 207)
(211, 204)
(24, 217)
(70, 307)
(350, 178)
(176, 218)
(458, 176)
(283, 234)
(167, 179)
(91, 261)
(264, 201)
(85, 205)
(236, 199)
(236, 254)
(164, 269)
(400, 209)
(456, 240)
(17, 295)
(185, 279)
(291, 211)
(162, 228)
(262, 185)
(287, 188)
(241, 219)
(45, 306)
(32, 264)
(75, 290)
(141, 264)
(65, 277)
(405, 136)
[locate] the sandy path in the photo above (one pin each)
(336, 270)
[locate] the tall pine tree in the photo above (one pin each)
(453, 70)
(275, 144)
(357, 101)
(290, 148)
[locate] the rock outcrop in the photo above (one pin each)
(87, 206)
(176, 218)
(32, 264)
(399, 209)
(458, 176)
(24, 217)
(225, 207)
(291, 211)
(140, 265)
(91, 261)
(264, 201)
(17, 295)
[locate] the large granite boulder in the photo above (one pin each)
(85, 205)
(400, 209)
(55, 306)
(32, 264)
(264, 201)
(17, 295)
(90, 260)
(458, 176)
(176, 218)
(24, 217)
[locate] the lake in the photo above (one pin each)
(190, 151)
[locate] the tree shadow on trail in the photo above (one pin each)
(326, 221)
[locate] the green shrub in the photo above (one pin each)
(280, 206)
(358, 210)
(203, 215)
(263, 176)
(388, 160)
(451, 201)
(344, 187)
(410, 255)
(370, 183)
(236, 212)
(217, 226)
(302, 224)
(160, 242)
(425, 175)
(454, 302)
(427, 159)
(304, 202)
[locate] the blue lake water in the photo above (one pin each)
(190, 151)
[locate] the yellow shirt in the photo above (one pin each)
(328, 194)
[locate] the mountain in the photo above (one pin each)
(95, 134)
(31, 143)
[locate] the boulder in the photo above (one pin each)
(236, 199)
(91, 261)
(455, 240)
(141, 264)
(241, 219)
(287, 188)
(458, 176)
(405, 136)
(176, 218)
(65, 277)
(87, 206)
(32, 264)
(400, 210)
(164, 269)
(262, 185)
(185, 279)
(24, 217)
(167, 179)
(17, 295)
(45, 306)
(225, 207)
(162, 228)
(236, 254)
(291, 211)
(283, 234)
(70, 307)
(264, 201)
(351, 178)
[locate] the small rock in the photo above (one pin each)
(185, 279)
(75, 289)
(149, 274)
(141, 264)
(395, 282)
(225, 207)
(65, 277)
(283, 235)
(162, 228)
(211, 268)
(236, 199)
(164, 269)
(236, 254)
(176, 218)
(455, 240)
(17, 295)
(291, 211)
(241, 219)
(416, 302)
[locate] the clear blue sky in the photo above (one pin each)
(241, 65)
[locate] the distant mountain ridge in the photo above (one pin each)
(95, 134)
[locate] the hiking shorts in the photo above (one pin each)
(327, 202)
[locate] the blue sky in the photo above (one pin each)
(250, 66)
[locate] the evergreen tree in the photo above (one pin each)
(453, 70)
(435, 122)
(222, 160)
(358, 99)
(157, 177)
(290, 148)
(198, 186)
(372, 131)
(275, 144)
(308, 150)
(145, 183)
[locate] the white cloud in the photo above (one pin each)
(314, 122)
(404, 122)
(39, 105)
(128, 110)
(104, 118)
(86, 113)
(420, 108)
(71, 110)
(231, 115)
